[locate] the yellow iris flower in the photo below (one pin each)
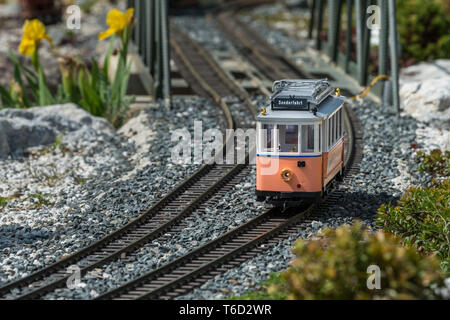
(33, 33)
(117, 21)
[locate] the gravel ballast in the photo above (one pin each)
(64, 199)
(233, 209)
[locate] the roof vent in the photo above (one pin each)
(298, 94)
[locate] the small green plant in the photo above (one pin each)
(435, 163)
(4, 201)
(79, 180)
(422, 218)
(57, 144)
(88, 5)
(336, 267)
(39, 200)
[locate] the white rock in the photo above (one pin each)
(433, 138)
(316, 224)
(437, 69)
(425, 90)
(427, 99)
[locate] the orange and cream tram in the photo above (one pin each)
(300, 145)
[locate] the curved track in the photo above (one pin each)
(198, 266)
(195, 268)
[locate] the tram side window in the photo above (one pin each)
(268, 132)
(333, 136)
(320, 136)
(330, 130)
(334, 128)
(288, 138)
(307, 138)
(336, 135)
(337, 125)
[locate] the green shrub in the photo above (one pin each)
(436, 162)
(335, 267)
(422, 218)
(423, 26)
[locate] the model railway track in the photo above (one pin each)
(269, 60)
(195, 268)
(230, 250)
(189, 271)
(167, 215)
(208, 79)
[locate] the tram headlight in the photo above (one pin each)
(287, 175)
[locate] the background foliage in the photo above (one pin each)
(423, 26)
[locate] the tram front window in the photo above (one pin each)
(268, 132)
(307, 138)
(288, 138)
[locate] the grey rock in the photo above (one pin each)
(4, 145)
(39, 126)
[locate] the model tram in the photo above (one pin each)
(300, 144)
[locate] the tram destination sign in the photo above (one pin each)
(290, 103)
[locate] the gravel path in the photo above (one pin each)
(66, 199)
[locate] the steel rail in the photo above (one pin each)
(92, 256)
(83, 253)
(269, 60)
(178, 36)
(148, 235)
